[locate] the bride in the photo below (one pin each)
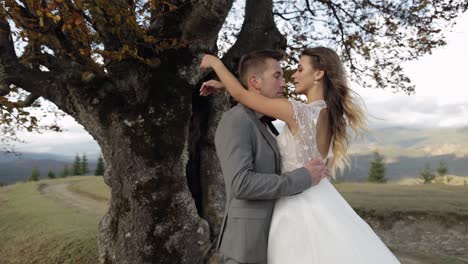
(316, 226)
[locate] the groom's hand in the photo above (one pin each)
(317, 170)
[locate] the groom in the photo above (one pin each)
(250, 161)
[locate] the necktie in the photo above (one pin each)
(268, 121)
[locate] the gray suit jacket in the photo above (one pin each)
(250, 162)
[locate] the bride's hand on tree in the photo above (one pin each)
(211, 86)
(209, 61)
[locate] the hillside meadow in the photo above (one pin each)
(55, 221)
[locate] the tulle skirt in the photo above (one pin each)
(318, 226)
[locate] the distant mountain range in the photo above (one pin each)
(414, 142)
(406, 151)
(14, 168)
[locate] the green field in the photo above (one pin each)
(55, 221)
(429, 198)
(35, 228)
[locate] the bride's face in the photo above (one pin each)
(304, 76)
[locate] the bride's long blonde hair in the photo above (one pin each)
(343, 106)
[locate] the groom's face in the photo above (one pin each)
(271, 82)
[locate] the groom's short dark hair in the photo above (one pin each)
(255, 61)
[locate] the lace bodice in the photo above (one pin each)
(300, 148)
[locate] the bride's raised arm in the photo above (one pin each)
(279, 108)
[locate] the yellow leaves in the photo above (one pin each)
(85, 52)
(40, 13)
(56, 18)
(117, 19)
(52, 5)
(149, 39)
(47, 13)
(169, 43)
(128, 52)
(125, 52)
(74, 20)
(366, 52)
(66, 27)
(77, 18)
(79, 21)
(126, 49)
(87, 76)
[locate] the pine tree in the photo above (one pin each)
(377, 169)
(64, 172)
(35, 175)
(99, 167)
(427, 175)
(51, 174)
(442, 169)
(84, 165)
(76, 170)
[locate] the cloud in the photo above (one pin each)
(413, 111)
(441, 97)
(74, 139)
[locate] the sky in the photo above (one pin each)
(440, 100)
(441, 97)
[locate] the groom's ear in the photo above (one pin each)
(255, 82)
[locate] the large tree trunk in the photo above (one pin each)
(143, 134)
(152, 217)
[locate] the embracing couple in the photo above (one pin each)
(281, 207)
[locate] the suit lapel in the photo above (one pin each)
(266, 134)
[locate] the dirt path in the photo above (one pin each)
(62, 193)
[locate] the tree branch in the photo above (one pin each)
(4, 89)
(258, 31)
(50, 85)
(30, 99)
(308, 7)
(342, 32)
(202, 26)
(281, 15)
(352, 19)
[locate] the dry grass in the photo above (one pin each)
(437, 198)
(38, 229)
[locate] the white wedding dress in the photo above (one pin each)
(317, 226)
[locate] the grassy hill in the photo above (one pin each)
(55, 221)
(41, 227)
(387, 198)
